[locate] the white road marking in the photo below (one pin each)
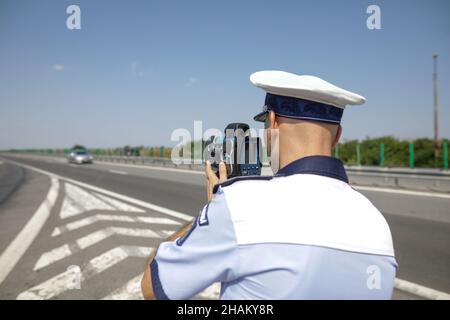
(420, 291)
(134, 201)
(110, 217)
(78, 201)
(26, 236)
(404, 192)
(119, 205)
(118, 172)
(52, 256)
(130, 291)
(210, 293)
(69, 249)
(59, 283)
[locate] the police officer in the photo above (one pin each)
(304, 233)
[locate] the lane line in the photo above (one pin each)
(118, 172)
(26, 236)
(404, 192)
(169, 212)
(421, 291)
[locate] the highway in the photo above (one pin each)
(94, 225)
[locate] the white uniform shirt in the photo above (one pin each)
(303, 234)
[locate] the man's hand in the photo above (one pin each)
(213, 179)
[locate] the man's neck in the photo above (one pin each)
(291, 155)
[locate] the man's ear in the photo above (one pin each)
(273, 120)
(272, 125)
(338, 136)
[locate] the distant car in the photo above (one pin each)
(80, 157)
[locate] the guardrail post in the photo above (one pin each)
(445, 156)
(381, 154)
(358, 155)
(411, 155)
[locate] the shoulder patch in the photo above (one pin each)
(182, 239)
(203, 219)
(242, 178)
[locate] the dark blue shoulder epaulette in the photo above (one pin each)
(240, 178)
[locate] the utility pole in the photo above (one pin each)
(436, 109)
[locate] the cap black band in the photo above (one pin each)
(303, 109)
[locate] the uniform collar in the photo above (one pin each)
(320, 165)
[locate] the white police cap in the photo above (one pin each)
(302, 97)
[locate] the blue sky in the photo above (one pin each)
(137, 70)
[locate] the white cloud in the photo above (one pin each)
(136, 69)
(191, 81)
(59, 67)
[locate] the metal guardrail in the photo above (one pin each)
(150, 161)
(398, 170)
(400, 178)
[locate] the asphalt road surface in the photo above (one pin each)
(85, 231)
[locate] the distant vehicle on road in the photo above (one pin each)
(80, 157)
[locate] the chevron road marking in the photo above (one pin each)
(61, 282)
(110, 217)
(119, 205)
(210, 293)
(91, 201)
(130, 291)
(23, 240)
(69, 249)
(72, 207)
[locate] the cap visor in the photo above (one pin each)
(261, 117)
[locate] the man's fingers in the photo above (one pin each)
(211, 174)
(222, 172)
(208, 171)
